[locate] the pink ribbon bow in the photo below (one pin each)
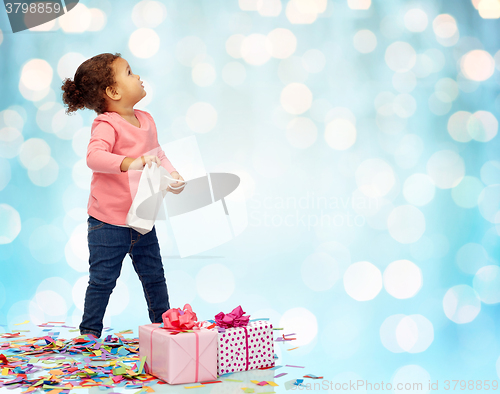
(233, 319)
(177, 319)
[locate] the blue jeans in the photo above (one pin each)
(108, 246)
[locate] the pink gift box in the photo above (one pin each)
(186, 357)
(244, 348)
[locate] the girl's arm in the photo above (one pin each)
(99, 156)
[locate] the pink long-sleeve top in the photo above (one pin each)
(112, 139)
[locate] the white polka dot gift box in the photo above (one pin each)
(243, 344)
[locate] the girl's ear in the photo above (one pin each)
(112, 93)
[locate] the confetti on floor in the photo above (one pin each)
(58, 366)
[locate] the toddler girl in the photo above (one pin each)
(122, 139)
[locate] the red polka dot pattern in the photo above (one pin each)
(232, 350)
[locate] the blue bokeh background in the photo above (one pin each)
(398, 99)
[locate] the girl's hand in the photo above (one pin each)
(176, 175)
(140, 162)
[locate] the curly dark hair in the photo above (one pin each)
(91, 79)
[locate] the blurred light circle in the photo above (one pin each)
(489, 203)
(119, 299)
(319, 109)
(359, 4)
(402, 279)
(437, 57)
(408, 153)
(201, 117)
(338, 251)
(378, 220)
(340, 113)
(404, 105)
(365, 41)
(98, 19)
(256, 49)
(419, 189)
(11, 141)
(387, 333)
(203, 74)
(482, 126)
(65, 126)
(292, 70)
(400, 56)
(320, 271)
(461, 304)
(466, 193)
(340, 134)
(269, 8)
(296, 98)
(486, 282)
(362, 281)
(10, 224)
(423, 66)
(68, 64)
(78, 291)
(51, 303)
(471, 257)
(446, 168)
(301, 132)
(144, 43)
(392, 27)
(82, 174)
(248, 5)
(416, 20)
(46, 114)
(374, 177)
(314, 60)
(490, 172)
(80, 141)
(36, 75)
(233, 45)
(284, 43)
(1, 37)
(439, 103)
(13, 117)
(182, 285)
(56, 283)
(447, 86)
(489, 9)
(46, 244)
(76, 21)
(414, 333)
(281, 118)
(477, 65)
(188, 49)
(444, 26)
(149, 13)
(301, 321)
(384, 103)
(44, 175)
(34, 153)
(297, 12)
(234, 73)
(406, 224)
(457, 126)
(404, 82)
(415, 374)
(215, 283)
(76, 250)
(5, 173)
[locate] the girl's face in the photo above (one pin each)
(127, 84)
